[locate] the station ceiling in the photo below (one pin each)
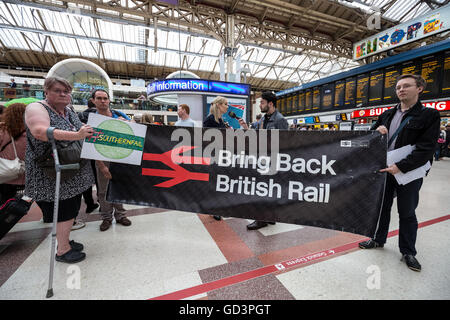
(282, 43)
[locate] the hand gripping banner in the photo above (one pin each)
(324, 179)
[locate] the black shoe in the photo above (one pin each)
(76, 246)
(412, 262)
(255, 225)
(71, 256)
(90, 209)
(218, 218)
(370, 244)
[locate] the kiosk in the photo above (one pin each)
(199, 93)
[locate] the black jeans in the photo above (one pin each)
(407, 201)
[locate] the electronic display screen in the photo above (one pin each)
(376, 87)
(431, 70)
(289, 105)
(308, 100)
(446, 75)
(301, 102)
(362, 90)
(411, 67)
(373, 88)
(390, 80)
(350, 86)
(316, 98)
(283, 105)
(339, 94)
(327, 96)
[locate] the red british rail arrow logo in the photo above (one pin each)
(178, 173)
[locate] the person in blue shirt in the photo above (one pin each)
(101, 100)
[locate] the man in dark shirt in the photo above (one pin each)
(272, 119)
(26, 88)
(422, 131)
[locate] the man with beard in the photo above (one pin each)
(272, 119)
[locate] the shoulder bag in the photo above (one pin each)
(11, 169)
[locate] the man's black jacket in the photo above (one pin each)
(422, 131)
(85, 114)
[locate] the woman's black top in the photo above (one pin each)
(210, 122)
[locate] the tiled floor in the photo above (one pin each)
(181, 255)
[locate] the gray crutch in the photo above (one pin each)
(58, 169)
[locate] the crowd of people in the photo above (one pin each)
(23, 133)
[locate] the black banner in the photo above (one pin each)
(323, 179)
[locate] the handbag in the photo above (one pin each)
(11, 169)
(68, 153)
(440, 140)
(11, 212)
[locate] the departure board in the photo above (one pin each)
(446, 76)
(431, 69)
(301, 102)
(327, 96)
(362, 90)
(376, 87)
(411, 67)
(283, 106)
(390, 80)
(371, 86)
(289, 105)
(294, 103)
(308, 100)
(339, 94)
(350, 86)
(316, 98)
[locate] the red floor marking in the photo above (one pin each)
(282, 266)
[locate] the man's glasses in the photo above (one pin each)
(59, 92)
(101, 98)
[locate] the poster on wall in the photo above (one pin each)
(426, 25)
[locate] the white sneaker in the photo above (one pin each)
(78, 225)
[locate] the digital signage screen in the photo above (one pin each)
(283, 105)
(390, 80)
(431, 72)
(350, 86)
(376, 87)
(308, 100)
(301, 102)
(289, 105)
(339, 94)
(327, 96)
(362, 90)
(446, 75)
(316, 98)
(410, 67)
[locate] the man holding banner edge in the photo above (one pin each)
(101, 101)
(409, 123)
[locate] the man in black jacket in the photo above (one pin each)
(272, 119)
(422, 130)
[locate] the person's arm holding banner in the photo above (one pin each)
(38, 122)
(103, 169)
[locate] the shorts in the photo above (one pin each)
(67, 209)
